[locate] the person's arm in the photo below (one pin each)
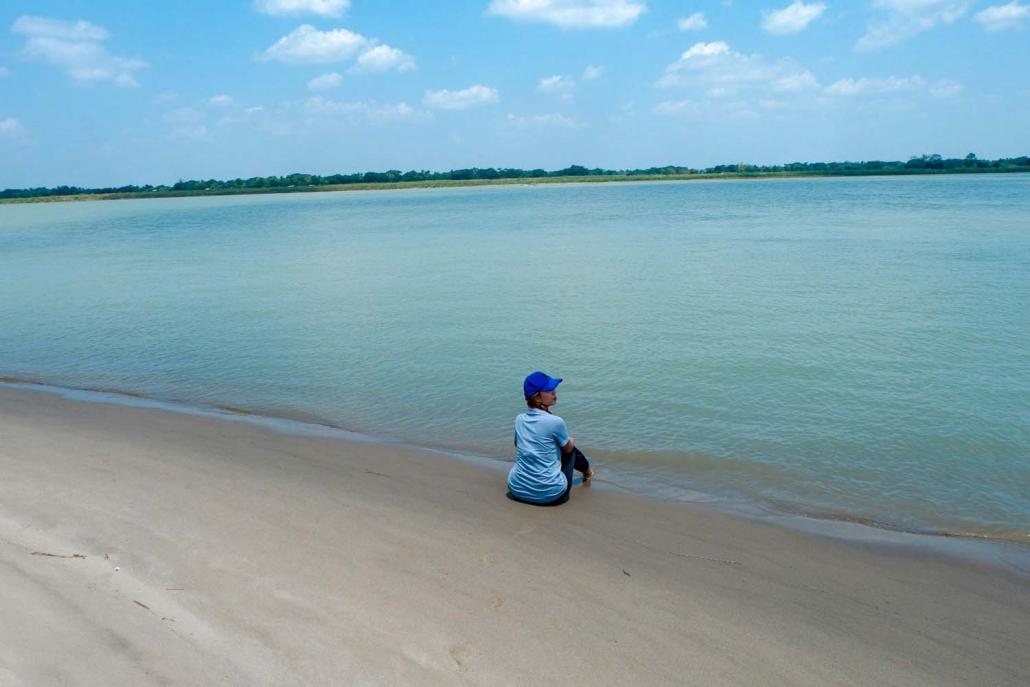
(561, 436)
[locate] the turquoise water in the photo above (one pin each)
(854, 348)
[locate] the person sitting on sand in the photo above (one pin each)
(545, 454)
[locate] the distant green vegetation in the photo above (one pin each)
(925, 164)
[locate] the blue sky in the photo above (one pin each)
(104, 93)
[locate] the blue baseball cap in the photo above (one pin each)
(539, 381)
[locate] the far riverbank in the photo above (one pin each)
(520, 181)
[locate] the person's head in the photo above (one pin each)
(540, 390)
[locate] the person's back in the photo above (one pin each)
(537, 475)
(545, 454)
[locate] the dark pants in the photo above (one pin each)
(569, 462)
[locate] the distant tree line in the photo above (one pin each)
(924, 164)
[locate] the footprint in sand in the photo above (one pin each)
(497, 601)
(461, 653)
(488, 559)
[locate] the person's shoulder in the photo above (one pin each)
(555, 420)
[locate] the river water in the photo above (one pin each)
(849, 348)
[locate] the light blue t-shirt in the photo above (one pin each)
(536, 475)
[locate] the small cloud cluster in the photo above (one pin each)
(795, 82)
(727, 83)
(325, 82)
(370, 111)
(552, 120)
(558, 86)
(186, 123)
(198, 122)
(563, 87)
(1001, 17)
(77, 48)
(907, 18)
(864, 86)
(867, 86)
(308, 45)
(571, 14)
(946, 88)
(675, 107)
(324, 8)
(4, 71)
(221, 100)
(11, 128)
(695, 22)
(473, 96)
(715, 65)
(383, 58)
(791, 19)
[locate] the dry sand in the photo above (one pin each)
(143, 547)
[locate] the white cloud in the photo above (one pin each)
(551, 120)
(325, 82)
(792, 18)
(592, 72)
(383, 58)
(724, 83)
(571, 14)
(946, 88)
(460, 100)
(306, 44)
(794, 83)
(186, 123)
(694, 22)
(1001, 17)
(867, 86)
(701, 50)
(906, 18)
(325, 8)
(711, 110)
(714, 64)
(76, 47)
(11, 128)
(675, 107)
(221, 100)
(557, 85)
(371, 111)
(42, 27)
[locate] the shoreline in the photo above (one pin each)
(793, 516)
(522, 181)
(161, 548)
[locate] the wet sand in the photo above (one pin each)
(140, 547)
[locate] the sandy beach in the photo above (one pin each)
(144, 547)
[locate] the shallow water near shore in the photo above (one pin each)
(848, 348)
